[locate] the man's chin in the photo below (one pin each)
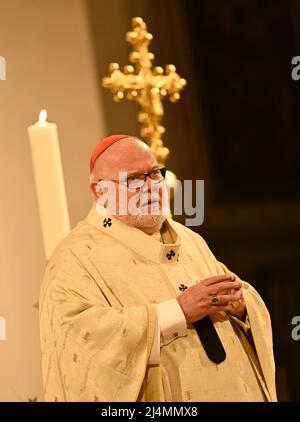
(143, 221)
(149, 220)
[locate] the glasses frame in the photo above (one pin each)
(163, 171)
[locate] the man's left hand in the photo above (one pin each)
(238, 308)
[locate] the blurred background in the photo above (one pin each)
(236, 127)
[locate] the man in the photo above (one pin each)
(135, 307)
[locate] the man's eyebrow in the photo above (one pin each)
(156, 166)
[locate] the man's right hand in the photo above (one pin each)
(196, 302)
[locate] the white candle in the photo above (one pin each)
(49, 182)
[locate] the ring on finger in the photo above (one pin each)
(214, 300)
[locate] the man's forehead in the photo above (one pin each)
(133, 155)
(139, 167)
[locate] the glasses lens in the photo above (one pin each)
(158, 175)
(135, 182)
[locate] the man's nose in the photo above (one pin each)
(147, 186)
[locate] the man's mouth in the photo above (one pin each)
(149, 201)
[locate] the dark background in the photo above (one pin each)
(236, 127)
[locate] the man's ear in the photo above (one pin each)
(103, 190)
(93, 187)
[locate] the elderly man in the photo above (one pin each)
(135, 307)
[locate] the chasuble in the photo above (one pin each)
(98, 318)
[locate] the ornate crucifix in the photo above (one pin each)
(146, 85)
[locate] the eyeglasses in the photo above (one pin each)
(137, 181)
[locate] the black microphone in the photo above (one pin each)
(210, 340)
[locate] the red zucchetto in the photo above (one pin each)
(102, 145)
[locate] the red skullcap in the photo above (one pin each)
(102, 145)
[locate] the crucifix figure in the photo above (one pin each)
(146, 85)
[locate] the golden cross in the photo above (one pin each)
(146, 85)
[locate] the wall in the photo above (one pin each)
(49, 65)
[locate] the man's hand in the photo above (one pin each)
(238, 308)
(213, 294)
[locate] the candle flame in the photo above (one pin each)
(43, 116)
